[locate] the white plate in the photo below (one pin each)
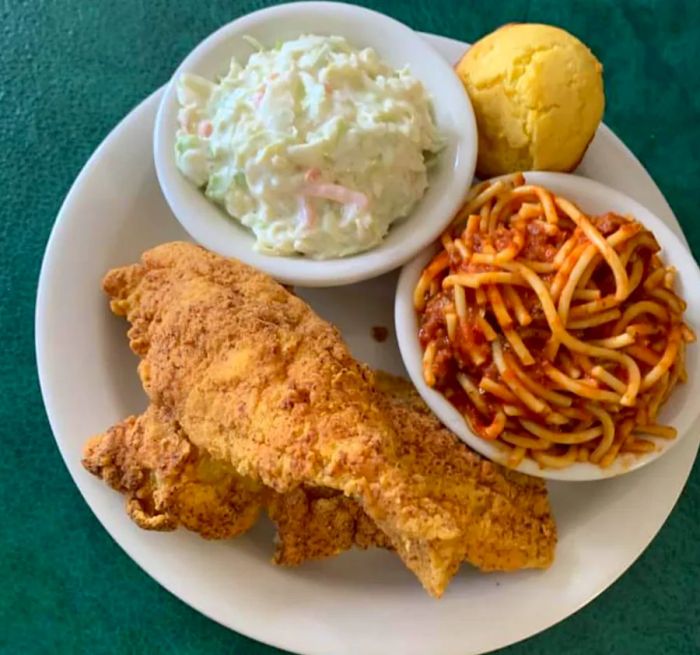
(361, 602)
(396, 44)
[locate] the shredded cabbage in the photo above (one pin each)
(315, 146)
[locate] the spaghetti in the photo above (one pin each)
(556, 334)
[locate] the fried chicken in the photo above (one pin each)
(256, 380)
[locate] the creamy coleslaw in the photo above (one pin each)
(315, 146)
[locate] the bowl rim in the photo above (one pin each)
(192, 209)
(411, 352)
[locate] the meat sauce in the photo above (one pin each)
(454, 356)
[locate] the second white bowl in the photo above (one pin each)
(681, 410)
(395, 43)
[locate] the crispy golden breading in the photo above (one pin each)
(503, 517)
(169, 482)
(256, 379)
(317, 523)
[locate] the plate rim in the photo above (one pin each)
(47, 394)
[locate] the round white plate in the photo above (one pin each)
(360, 602)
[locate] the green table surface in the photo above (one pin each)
(69, 70)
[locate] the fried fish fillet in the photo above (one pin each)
(169, 483)
(255, 379)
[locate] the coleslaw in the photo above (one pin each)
(315, 146)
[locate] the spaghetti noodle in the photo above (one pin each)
(557, 335)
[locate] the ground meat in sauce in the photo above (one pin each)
(502, 238)
(449, 357)
(608, 223)
(466, 408)
(539, 246)
(446, 363)
(533, 305)
(452, 357)
(433, 319)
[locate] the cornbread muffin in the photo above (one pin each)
(538, 97)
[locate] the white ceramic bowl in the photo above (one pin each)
(680, 411)
(398, 45)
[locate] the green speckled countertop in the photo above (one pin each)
(69, 70)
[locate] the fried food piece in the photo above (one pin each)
(503, 517)
(318, 523)
(168, 482)
(256, 379)
(312, 525)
